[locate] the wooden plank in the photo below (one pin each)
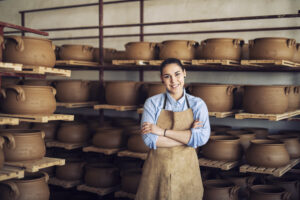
(77, 104)
(264, 63)
(224, 165)
(223, 114)
(76, 63)
(122, 194)
(9, 172)
(115, 107)
(131, 154)
(99, 191)
(271, 117)
(101, 150)
(4, 66)
(282, 170)
(46, 70)
(39, 118)
(130, 62)
(68, 146)
(158, 62)
(64, 183)
(9, 121)
(36, 165)
(215, 62)
(140, 110)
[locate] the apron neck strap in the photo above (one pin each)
(165, 101)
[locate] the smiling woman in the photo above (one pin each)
(173, 125)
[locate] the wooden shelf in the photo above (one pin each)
(11, 67)
(208, 62)
(68, 146)
(9, 172)
(64, 183)
(115, 107)
(9, 121)
(122, 194)
(224, 165)
(140, 110)
(131, 154)
(223, 114)
(77, 104)
(76, 63)
(264, 63)
(99, 191)
(271, 117)
(101, 150)
(39, 118)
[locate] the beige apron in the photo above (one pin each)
(172, 173)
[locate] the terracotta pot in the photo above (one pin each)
(71, 171)
(29, 51)
(1, 152)
(180, 49)
(294, 98)
(154, 89)
(136, 143)
(290, 133)
(261, 133)
(1, 46)
(220, 189)
(266, 99)
(33, 187)
(268, 192)
(222, 147)
(291, 143)
(122, 93)
(73, 132)
(109, 138)
(289, 183)
(245, 137)
(108, 55)
(218, 98)
(72, 90)
(221, 48)
(101, 175)
(267, 153)
(37, 82)
(21, 99)
(76, 52)
(132, 130)
(130, 180)
(272, 48)
(49, 129)
(245, 52)
(23, 145)
(141, 50)
(119, 55)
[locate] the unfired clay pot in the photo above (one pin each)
(296, 57)
(71, 171)
(141, 50)
(266, 99)
(268, 192)
(272, 48)
(154, 88)
(130, 180)
(23, 145)
(220, 189)
(245, 52)
(72, 90)
(76, 52)
(291, 142)
(245, 137)
(73, 132)
(29, 51)
(49, 129)
(109, 138)
(136, 143)
(294, 98)
(180, 49)
(32, 187)
(1, 46)
(21, 99)
(261, 133)
(221, 48)
(289, 183)
(120, 55)
(1, 152)
(267, 153)
(108, 55)
(37, 82)
(218, 98)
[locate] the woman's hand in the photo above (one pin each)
(151, 128)
(197, 124)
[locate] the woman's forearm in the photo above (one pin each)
(167, 142)
(180, 136)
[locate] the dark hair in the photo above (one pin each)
(171, 61)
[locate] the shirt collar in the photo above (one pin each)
(173, 101)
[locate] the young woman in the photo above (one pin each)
(173, 125)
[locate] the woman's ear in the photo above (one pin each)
(184, 73)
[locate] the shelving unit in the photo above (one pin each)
(9, 172)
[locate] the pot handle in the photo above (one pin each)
(11, 140)
(3, 93)
(203, 43)
(230, 89)
(14, 188)
(251, 43)
(87, 48)
(153, 45)
(191, 44)
(287, 90)
(159, 45)
(297, 89)
(1, 142)
(19, 41)
(250, 180)
(53, 91)
(1, 42)
(233, 191)
(286, 196)
(19, 90)
(53, 46)
(46, 176)
(291, 43)
(237, 42)
(43, 134)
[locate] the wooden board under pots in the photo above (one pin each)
(64, 183)
(9, 121)
(99, 191)
(102, 150)
(264, 63)
(122, 194)
(131, 154)
(224, 165)
(77, 104)
(115, 107)
(271, 117)
(9, 172)
(68, 146)
(39, 118)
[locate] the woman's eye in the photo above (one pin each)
(167, 76)
(177, 74)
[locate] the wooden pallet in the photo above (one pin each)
(158, 62)
(131, 62)
(76, 63)
(273, 171)
(39, 118)
(36, 165)
(223, 114)
(64, 183)
(9, 121)
(99, 191)
(264, 63)
(77, 104)
(271, 117)
(215, 62)
(9, 172)
(4, 66)
(46, 71)
(68, 146)
(131, 154)
(122, 194)
(101, 150)
(140, 110)
(224, 165)
(115, 107)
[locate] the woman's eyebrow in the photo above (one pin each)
(174, 73)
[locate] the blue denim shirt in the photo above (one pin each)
(154, 105)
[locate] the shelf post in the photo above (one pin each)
(101, 72)
(23, 22)
(141, 72)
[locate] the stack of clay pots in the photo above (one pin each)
(72, 170)
(73, 132)
(220, 189)
(76, 52)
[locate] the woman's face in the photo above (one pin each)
(173, 78)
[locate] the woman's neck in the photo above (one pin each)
(177, 95)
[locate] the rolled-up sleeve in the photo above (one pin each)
(200, 135)
(149, 116)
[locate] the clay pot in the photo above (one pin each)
(266, 99)
(21, 99)
(49, 170)
(1, 152)
(76, 52)
(132, 130)
(1, 46)
(136, 143)
(245, 137)
(221, 48)
(33, 187)
(101, 175)
(220, 189)
(223, 148)
(108, 55)
(23, 145)
(268, 192)
(261, 133)
(109, 138)
(37, 82)
(291, 143)
(272, 48)
(294, 98)
(73, 132)
(124, 122)
(218, 98)
(71, 171)
(154, 89)
(124, 93)
(180, 49)
(141, 50)
(120, 55)
(245, 52)
(267, 153)
(72, 90)
(290, 184)
(29, 51)
(48, 128)
(130, 180)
